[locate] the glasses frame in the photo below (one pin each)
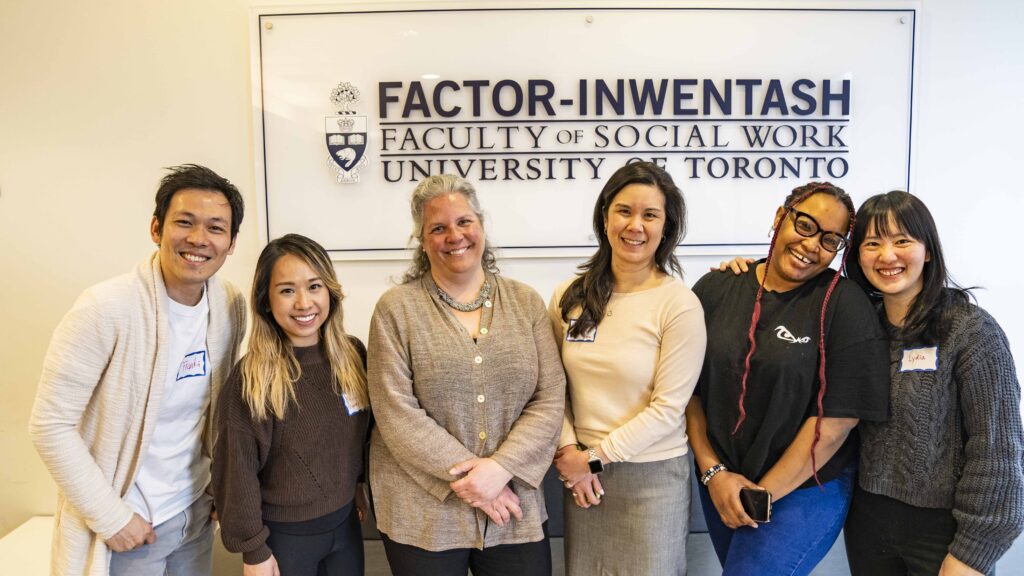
(840, 239)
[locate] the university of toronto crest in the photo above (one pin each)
(346, 134)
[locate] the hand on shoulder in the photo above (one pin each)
(738, 265)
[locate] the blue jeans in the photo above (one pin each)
(183, 547)
(804, 526)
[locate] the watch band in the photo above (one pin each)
(596, 466)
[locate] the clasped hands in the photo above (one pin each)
(485, 486)
(574, 471)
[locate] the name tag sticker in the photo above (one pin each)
(588, 337)
(920, 359)
(194, 364)
(348, 405)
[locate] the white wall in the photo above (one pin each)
(96, 97)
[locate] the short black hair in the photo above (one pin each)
(201, 178)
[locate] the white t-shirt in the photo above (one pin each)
(175, 471)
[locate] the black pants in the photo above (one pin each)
(885, 536)
(530, 559)
(337, 552)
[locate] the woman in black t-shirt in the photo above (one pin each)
(795, 358)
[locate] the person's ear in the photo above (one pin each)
(154, 230)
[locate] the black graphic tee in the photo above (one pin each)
(783, 383)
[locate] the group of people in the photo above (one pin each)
(885, 401)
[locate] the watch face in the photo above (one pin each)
(596, 467)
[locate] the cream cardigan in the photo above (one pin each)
(98, 400)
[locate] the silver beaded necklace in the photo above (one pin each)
(482, 299)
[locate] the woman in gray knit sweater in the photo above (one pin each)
(941, 488)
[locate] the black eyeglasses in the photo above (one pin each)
(806, 226)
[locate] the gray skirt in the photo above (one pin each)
(639, 528)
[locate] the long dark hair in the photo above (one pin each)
(593, 287)
(901, 212)
(795, 197)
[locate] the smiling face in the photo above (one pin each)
(634, 222)
(797, 259)
(452, 237)
(893, 263)
(194, 242)
(299, 300)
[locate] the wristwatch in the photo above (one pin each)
(596, 467)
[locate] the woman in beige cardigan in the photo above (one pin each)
(468, 392)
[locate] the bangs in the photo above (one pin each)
(884, 225)
(894, 214)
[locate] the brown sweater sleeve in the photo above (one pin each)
(239, 455)
(530, 445)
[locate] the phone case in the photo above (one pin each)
(757, 504)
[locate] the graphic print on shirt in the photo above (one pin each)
(783, 333)
(194, 364)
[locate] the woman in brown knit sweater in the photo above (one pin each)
(468, 394)
(291, 424)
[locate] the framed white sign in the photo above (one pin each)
(537, 107)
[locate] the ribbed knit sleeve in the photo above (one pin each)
(79, 355)
(239, 456)
(989, 504)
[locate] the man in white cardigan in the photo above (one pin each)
(122, 413)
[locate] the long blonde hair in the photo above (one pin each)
(269, 368)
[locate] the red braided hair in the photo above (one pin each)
(798, 195)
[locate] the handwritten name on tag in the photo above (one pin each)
(590, 336)
(920, 359)
(194, 364)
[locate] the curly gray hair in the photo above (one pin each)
(427, 190)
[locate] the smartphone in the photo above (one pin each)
(757, 504)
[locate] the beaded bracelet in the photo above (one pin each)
(707, 476)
